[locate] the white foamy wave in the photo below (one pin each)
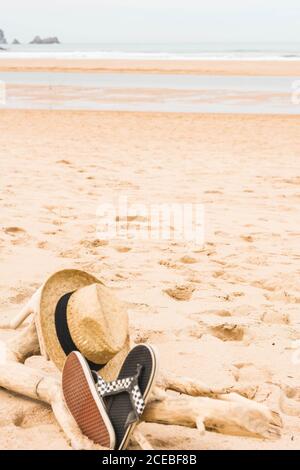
(121, 55)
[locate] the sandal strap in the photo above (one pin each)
(129, 385)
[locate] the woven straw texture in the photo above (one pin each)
(89, 319)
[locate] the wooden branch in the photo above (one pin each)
(34, 384)
(231, 415)
(23, 344)
(27, 310)
(141, 440)
(197, 388)
(243, 418)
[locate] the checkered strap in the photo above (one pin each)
(129, 385)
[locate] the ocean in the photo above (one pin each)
(166, 51)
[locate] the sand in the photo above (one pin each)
(226, 313)
(198, 67)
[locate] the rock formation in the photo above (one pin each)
(15, 41)
(39, 40)
(2, 37)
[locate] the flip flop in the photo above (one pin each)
(84, 402)
(125, 397)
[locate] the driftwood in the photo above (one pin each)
(195, 404)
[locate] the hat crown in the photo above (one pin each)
(98, 322)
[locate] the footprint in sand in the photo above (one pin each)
(213, 192)
(18, 235)
(257, 260)
(295, 180)
(122, 249)
(226, 297)
(43, 245)
(228, 332)
(14, 230)
(131, 218)
(93, 243)
(249, 373)
(291, 391)
(56, 222)
(195, 278)
(64, 162)
(220, 313)
(50, 232)
(289, 406)
(247, 238)
(183, 292)
(230, 297)
(72, 253)
(283, 296)
(289, 400)
(217, 274)
(186, 259)
(237, 294)
(170, 264)
(275, 318)
(21, 293)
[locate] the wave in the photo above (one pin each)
(121, 55)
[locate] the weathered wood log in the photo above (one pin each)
(24, 344)
(197, 388)
(28, 309)
(34, 384)
(227, 417)
(141, 440)
(231, 415)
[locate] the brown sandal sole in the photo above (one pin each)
(84, 403)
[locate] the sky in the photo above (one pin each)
(153, 21)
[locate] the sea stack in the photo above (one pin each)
(15, 41)
(50, 40)
(2, 37)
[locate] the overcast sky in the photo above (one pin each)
(152, 20)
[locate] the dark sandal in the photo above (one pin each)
(126, 396)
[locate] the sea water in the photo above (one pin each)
(166, 51)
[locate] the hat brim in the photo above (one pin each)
(57, 285)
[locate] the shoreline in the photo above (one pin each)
(196, 67)
(214, 116)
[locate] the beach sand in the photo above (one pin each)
(198, 67)
(242, 319)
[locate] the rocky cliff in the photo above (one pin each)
(2, 37)
(39, 40)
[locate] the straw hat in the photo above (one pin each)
(77, 312)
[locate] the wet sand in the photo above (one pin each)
(198, 67)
